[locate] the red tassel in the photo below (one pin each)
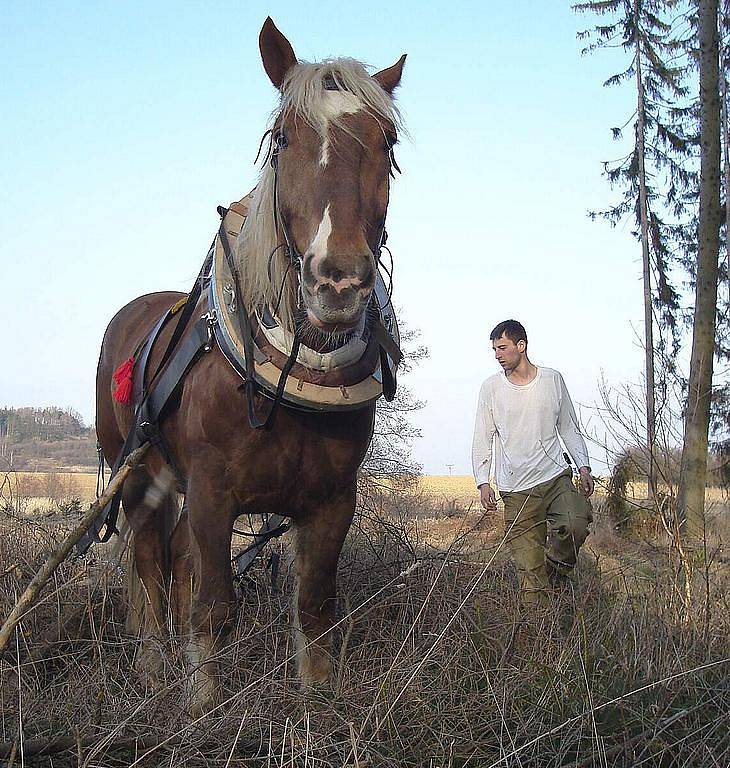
(123, 379)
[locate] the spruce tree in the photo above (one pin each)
(653, 175)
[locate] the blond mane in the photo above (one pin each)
(304, 95)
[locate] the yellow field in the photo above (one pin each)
(56, 486)
(446, 488)
(458, 488)
(461, 489)
(712, 495)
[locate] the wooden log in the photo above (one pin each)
(33, 589)
(37, 747)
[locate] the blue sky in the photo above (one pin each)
(125, 124)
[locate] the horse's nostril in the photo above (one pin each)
(342, 271)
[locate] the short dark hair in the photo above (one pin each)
(512, 329)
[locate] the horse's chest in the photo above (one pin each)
(300, 463)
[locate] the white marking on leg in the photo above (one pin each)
(300, 639)
(160, 489)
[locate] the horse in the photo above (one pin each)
(333, 134)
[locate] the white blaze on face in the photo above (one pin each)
(334, 105)
(318, 247)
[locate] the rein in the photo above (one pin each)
(249, 385)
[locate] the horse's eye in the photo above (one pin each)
(280, 140)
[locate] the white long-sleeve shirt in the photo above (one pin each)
(526, 421)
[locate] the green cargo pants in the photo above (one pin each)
(546, 526)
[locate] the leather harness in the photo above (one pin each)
(155, 399)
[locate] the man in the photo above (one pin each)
(527, 408)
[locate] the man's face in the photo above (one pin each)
(507, 353)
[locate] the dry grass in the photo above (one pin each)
(459, 487)
(436, 665)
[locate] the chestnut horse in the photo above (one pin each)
(334, 131)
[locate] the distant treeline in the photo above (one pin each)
(44, 423)
(45, 439)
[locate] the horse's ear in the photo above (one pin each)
(389, 79)
(276, 52)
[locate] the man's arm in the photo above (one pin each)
(573, 440)
(481, 450)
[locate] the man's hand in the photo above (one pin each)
(586, 481)
(488, 498)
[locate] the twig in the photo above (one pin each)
(61, 552)
(343, 648)
(235, 741)
(12, 752)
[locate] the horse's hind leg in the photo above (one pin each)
(319, 540)
(150, 506)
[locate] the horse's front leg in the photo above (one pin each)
(211, 512)
(319, 539)
(150, 508)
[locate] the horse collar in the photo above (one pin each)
(259, 348)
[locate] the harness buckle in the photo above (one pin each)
(231, 302)
(211, 319)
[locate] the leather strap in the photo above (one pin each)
(273, 527)
(388, 348)
(186, 312)
(142, 358)
(150, 413)
(389, 383)
(386, 341)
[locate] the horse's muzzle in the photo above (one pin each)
(337, 297)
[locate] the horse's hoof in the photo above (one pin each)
(315, 669)
(148, 664)
(204, 686)
(203, 695)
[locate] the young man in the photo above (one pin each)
(527, 408)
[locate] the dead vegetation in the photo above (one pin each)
(436, 665)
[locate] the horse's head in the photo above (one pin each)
(332, 139)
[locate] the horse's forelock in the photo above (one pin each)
(305, 94)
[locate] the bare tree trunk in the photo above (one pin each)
(691, 501)
(646, 265)
(725, 143)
